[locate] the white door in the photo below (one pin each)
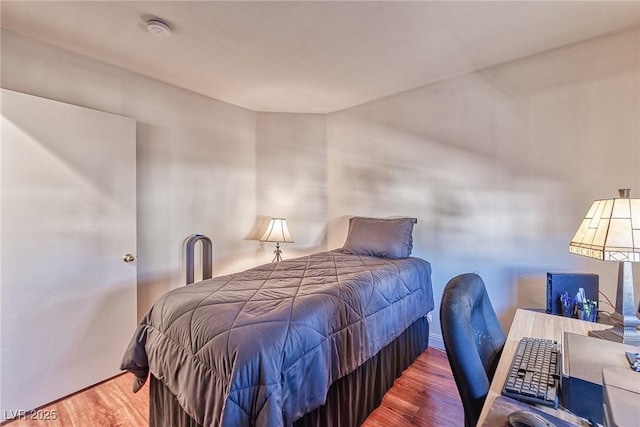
(68, 216)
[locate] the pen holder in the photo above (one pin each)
(568, 309)
(587, 311)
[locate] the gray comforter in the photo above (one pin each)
(263, 346)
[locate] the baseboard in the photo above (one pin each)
(435, 340)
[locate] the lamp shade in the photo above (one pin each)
(610, 230)
(277, 231)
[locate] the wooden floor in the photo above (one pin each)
(425, 395)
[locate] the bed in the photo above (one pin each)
(314, 340)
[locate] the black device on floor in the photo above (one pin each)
(534, 375)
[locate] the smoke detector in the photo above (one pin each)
(158, 28)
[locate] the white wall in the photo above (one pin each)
(196, 157)
(499, 166)
(292, 176)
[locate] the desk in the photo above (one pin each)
(531, 324)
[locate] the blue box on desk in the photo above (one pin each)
(559, 283)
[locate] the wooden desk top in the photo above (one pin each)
(532, 324)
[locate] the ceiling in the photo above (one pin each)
(312, 57)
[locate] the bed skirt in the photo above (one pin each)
(350, 399)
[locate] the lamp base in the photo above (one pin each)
(616, 334)
(278, 253)
(624, 319)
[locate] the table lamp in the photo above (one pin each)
(610, 231)
(277, 231)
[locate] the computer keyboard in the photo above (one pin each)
(534, 375)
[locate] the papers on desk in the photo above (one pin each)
(584, 359)
(621, 397)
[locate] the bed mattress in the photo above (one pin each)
(262, 347)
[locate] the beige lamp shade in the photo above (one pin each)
(277, 231)
(610, 230)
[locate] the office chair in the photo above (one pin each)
(473, 339)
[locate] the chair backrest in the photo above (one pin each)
(473, 339)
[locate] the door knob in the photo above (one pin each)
(128, 258)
